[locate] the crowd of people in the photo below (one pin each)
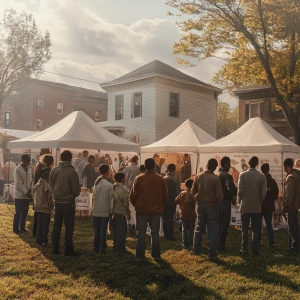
(205, 204)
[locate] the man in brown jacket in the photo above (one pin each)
(292, 203)
(149, 195)
(207, 191)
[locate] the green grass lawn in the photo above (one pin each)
(29, 272)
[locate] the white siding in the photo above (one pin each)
(196, 104)
(143, 126)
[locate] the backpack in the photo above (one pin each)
(228, 187)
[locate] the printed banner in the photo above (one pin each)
(82, 202)
(239, 164)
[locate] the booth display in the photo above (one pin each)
(257, 138)
(180, 147)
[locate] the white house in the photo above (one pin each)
(150, 102)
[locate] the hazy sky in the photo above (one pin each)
(100, 40)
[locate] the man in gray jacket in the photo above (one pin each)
(65, 187)
(252, 189)
(80, 163)
(131, 172)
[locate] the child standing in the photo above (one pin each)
(103, 207)
(187, 214)
(121, 211)
(43, 205)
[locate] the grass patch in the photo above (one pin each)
(29, 272)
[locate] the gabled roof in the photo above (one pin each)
(157, 68)
(187, 138)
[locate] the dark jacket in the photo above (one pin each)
(149, 194)
(64, 183)
(291, 197)
(228, 186)
(90, 174)
(173, 189)
(271, 196)
(187, 206)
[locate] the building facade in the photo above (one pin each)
(149, 103)
(41, 104)
(260, 102)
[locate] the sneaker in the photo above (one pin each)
(184, 246)
(17, 231)
(243, 251)
(24, 230)
(74, 253)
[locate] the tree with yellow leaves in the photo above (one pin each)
(260, 39)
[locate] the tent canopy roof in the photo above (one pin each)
(255, 136)
(75, 131)
(187, 138)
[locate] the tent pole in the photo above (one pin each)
(282, 183)
(197, 165)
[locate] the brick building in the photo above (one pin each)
(259, 101)
(43, 103)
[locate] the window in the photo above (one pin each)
(39, 124)
(97, 116)
(119, 107)
(254, 110)
(40, 103)
(60, 108)
(7, 118)
(137, 105)
(174, 105)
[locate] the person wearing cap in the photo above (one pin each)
(43, 205)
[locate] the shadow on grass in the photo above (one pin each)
(119, 272)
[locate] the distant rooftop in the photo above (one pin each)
(156, 68)
(79, 90)
(254, 92)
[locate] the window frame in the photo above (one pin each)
(258, 105)
(178, 105)
(119, 97)
(99, 117)
(62, 110)
(133, 106)
(42, 103)
(7, 121)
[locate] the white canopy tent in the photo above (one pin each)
(257, 138)
(254, 136)
(75, 131)
(187, 138)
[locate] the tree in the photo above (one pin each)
(23, 51)
(227, 120)
(259, 39)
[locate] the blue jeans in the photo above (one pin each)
(294, 230)
(21, 212)
(255, 225)
(224, 215)
(268, 215)
(188, 228)
(42, 230)
(63, 213)
(100, 228)
(141, 227)
(206, 215)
